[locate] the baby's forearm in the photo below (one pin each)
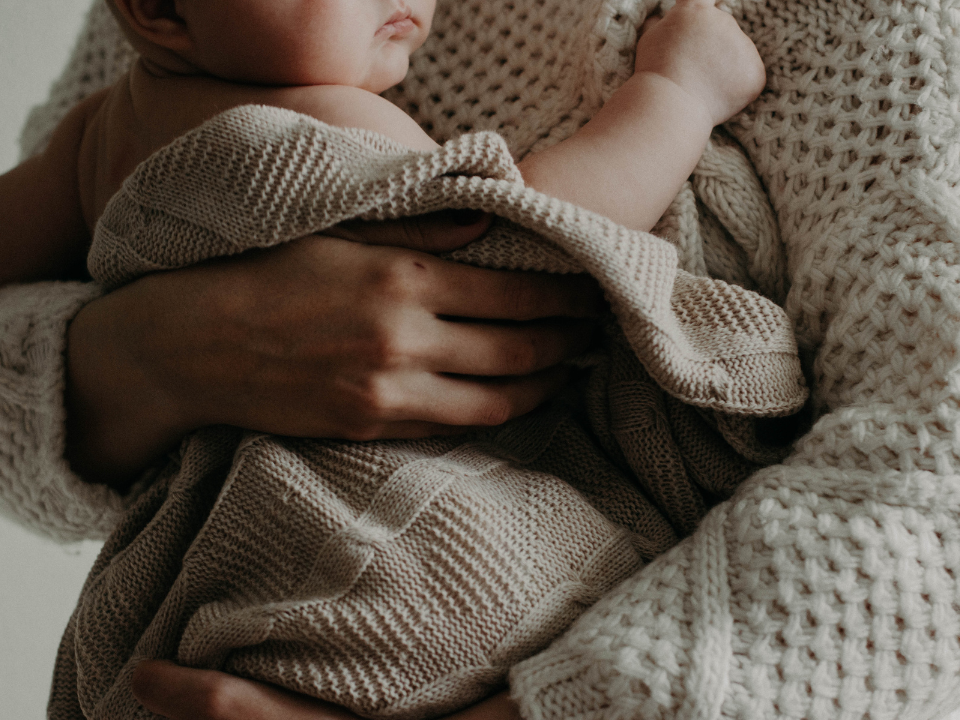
(631, 159)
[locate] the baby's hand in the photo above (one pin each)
(703, 50)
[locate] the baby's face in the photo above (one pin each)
(361, 43)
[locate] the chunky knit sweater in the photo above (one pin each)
(827, 587)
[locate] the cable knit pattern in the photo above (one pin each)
(384, 593)
(37, 487)
(401, 529)
(258, 176)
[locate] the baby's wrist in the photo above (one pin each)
(663, 89)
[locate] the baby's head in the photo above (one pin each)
(362, 43)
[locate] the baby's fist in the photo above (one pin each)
(702, 49)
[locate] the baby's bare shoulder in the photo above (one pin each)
(172, 106)
(353, 107)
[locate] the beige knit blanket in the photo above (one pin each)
(404, 579)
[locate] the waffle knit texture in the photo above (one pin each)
(403, 579)
(827, 587)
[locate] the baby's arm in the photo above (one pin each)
(44, 235)
(694, 70)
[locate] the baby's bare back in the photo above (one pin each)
(146, 111)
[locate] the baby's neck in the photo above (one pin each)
(168, 66)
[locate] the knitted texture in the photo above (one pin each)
(37, 487)
(400, 531)
(432, 647)
(258, 176)
(828, 586)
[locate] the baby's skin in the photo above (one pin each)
(329, 59)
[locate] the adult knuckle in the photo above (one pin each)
(396, 279)
(413, 235)
(219, 699)
(519, 296)
(523, 357)
(376, 399)
(495, 411)
(385, 348)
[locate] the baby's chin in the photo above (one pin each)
(387, 75)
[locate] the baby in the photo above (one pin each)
(329, 58)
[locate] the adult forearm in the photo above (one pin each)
(119, 415)
(320, 337)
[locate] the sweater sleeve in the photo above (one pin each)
(37, 487)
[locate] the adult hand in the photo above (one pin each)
(322, 337)
(180, 693)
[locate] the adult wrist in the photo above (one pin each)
(120, 416)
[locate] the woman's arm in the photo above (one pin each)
(323, 337)
(180, 693)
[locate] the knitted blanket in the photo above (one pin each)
(827, 587)
(367, 574)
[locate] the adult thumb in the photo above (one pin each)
(437, 232)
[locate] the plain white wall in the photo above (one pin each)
(39, 580)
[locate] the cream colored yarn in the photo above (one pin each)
(828, 586)
(711, 344)
(37, 488)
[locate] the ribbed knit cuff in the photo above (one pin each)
(37, 487)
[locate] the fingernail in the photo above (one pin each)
(467, 216)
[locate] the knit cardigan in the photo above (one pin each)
(827, 586)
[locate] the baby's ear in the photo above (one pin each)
(156, 21)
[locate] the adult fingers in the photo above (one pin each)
(418, 404)
(436, 232)
(180, 693)
(470, 348)
(457, 290)
(467, 401)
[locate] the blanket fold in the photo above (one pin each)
(259, 176)
(404, 579)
